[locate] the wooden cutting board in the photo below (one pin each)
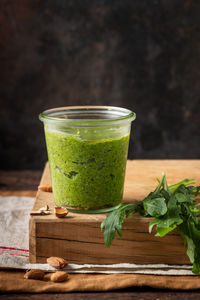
(78, 238)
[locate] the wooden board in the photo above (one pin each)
(78, 238)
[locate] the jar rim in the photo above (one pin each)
(80, 116)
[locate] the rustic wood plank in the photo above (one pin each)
(78, 238)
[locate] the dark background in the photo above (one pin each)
(139, 54)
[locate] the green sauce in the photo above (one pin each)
(86, 174)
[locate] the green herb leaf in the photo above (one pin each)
(181, 197)
(184, 182)
(170, 206)
(155, 207)
(113, 222)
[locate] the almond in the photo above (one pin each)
(37, 213)
(42, 211)
(45, 188)
(34, 274)
(45, 208)
(59, 276)
(60, 212)
(56, 262)
(46, 212)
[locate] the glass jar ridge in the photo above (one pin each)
(88, 116)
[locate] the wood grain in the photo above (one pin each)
(78, 238)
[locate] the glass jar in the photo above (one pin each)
(87, 150)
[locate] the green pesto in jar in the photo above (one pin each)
(86, 174)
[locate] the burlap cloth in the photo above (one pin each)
(13, 281)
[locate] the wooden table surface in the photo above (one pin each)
(29, 180)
